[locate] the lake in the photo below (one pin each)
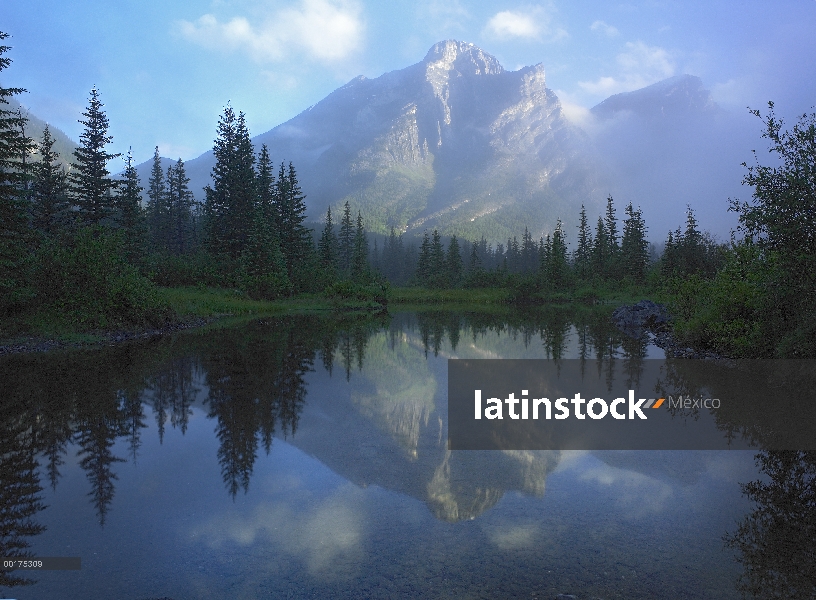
(306, 456)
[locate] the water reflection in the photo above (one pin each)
(776, 540)
(377, 417)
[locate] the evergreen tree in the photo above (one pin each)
(558, 264)
(529, 252)
(229, 208)
(453, 262)
(327, 246)
(583, 254)
(91, 184)
(634, 246)
(266, 189)
(131, 216)
(346, 240)
(296, 238)
(359, 268)
(14, 235)
(423, 271)
(437, 275)
(158, 210)
(180, 203)
(263, 265)
(611, 238)
(50, 204)
(600, 250)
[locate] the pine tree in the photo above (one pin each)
(634, 246)
(359, 268)
(131, 216)
(91, 184)
(158, 210)
(14, 235)
(50, 204)
(346, 240)
(583, 253)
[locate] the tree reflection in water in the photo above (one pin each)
(776, 542)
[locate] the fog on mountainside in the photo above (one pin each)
(63, 145)
(458, 143)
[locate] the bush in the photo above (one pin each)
(85, 282)
(348, 290)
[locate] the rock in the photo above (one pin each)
(645, 316)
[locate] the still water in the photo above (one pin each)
(306, 457)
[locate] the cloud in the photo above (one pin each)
(604, 28)
(327, 31)
(532, 24)
(638, 66)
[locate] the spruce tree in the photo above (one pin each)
(346, 240)
(14, 228)
(180, 203)
(91, 185)
(558, 264)
(131, 216)
(437, 273)
(634, 246)
(453, 262)
(583, 253)
(158, 211)
(611, 223)
(600, 250)
(263, 265)
(423, 270)
(50, 204)
(244, 192)
(266, 189)
(296, 238)
(359, 269)
(327, 246)
(219, 196)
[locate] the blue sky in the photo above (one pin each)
(165, 70)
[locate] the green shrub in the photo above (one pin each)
(83, 281)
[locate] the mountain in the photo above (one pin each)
(675, 97)
(670, 145)
(454, 142)
(458, 143)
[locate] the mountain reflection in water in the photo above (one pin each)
(364, 396)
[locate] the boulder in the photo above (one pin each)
(638, 319)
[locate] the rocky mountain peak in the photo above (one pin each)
(464, 57)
